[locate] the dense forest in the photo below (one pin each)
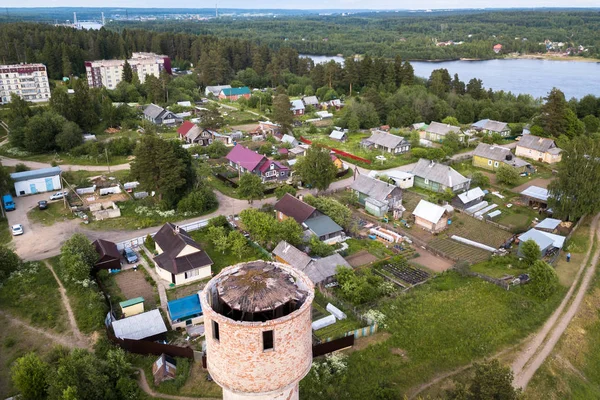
(413, 35)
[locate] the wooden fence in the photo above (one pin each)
(147, 347)
(334, 345)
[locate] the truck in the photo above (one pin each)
(8, 203)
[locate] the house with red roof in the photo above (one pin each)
(246, 160)
(497, 48)
(193, 134)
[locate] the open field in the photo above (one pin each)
(363, 257)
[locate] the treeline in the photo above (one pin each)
(413, 36)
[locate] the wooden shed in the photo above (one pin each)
(110, 258)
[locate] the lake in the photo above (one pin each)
(534, 77)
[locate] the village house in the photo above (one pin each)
(267, 128)
(339, 164)
(310, 101)
(192, 134)
(535, 196)
(215, 90)
(549, 225)
(160, 116)
(185, 311)
(546, 241)
(539, 149)
(430, 217)
(387, 142)
(297, 107)
(335, 104)
(403, 180)
(180, 259)
(438, 177)
(436, 132)
(338, 136)
(289, 139)
(489, 127)
(148, 325)
(324, 228)
(233, 94)
(378, 197)
(497, 48)
(492, 156)
(321, 271)
(297, 151)
(246, 160)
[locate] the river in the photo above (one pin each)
(519, 76)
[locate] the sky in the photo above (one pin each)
(305, 4)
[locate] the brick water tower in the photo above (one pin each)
(257, 318)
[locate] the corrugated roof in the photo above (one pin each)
(236, 91)
(385, 139)
(492, 151)
(536, 192)
(289, 139)
(324, 268)
(441, 129)
(470, 195)
(245, 157)
(291, 255)
(296, 105)
(310, 100)
(140, 326)
(491, 125)
(153, 111)
(374, 188)
(429, 211)
(338, 135)
(185, 127)
(34, 174)
(217, 89)
(439, 173)
(184, 307)
(549, 223)
(322, 225)
(536, 143)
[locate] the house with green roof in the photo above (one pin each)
(234, 94)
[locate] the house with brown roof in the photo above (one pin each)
(193, 134)
(538, 148)
(180, 259)
(291, 207)
(109, 256)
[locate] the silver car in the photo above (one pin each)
(17, 229)
(58, 195)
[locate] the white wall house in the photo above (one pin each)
(37, 181)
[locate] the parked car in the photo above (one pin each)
(43, 204)
(130, 255)
(17, 230)
(58, 195)
(8, 202)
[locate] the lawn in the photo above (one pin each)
(497, 267)
(56, 212)
(61, 158)
(5, 235)
(445, 323)
(187, 290)
(374, 247)
(135, 214)
(467, 168)
(32, 295)
(88, 303)
(340, 328)
(577, 245)
(221, 260)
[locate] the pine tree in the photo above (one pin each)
(282, 114)
(553, 117)
(127, 72)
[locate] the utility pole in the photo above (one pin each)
(107, 163)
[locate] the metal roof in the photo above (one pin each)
(536, 192)
(439, 173)
(549, 223)
(385, 139)
(184, 307)
(296, 105)
(322, 225)
(131, 302)
(339, 135)
(374, 188)
(491, 125)
(235, 91)
(543, 239)
(536, 143)
(469, 196)
(140, 326)
(429, 211)
(36, 173)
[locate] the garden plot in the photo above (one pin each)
(134, 284)
(459, 251)
(405, 273)
(478, 231)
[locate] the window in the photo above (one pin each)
(267, 340)
(496, 164)
(427, 181)
(215, 329)
(192, 273)
(489, 162)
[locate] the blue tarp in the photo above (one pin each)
(185, 308)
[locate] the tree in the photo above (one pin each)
(20, 167)
(159, 168)
(259, 224)
(531, 252)
(238, 243)
(337, 211)
(283, 189)
(316, 168)
(219, 238)
(69, 137)
(198, 201)
(592, 124)
(553, 118)
(250, 187)
(289, 230)
(282, 114)
(127, 72)
(544, 280)
(216, 149)
(211, 118)
(439, 82)
(29, 375)
(507, 175)
(80, 245)
(491, 380)
(450, 121)
(353, 123)
(478, 178)
(41, 131)
(149, 243)
(574, 193)
(452, 142)
(318, 248)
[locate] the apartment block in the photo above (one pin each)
(108, 73)
(30, 81)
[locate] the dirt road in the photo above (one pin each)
(541, 345)
(11, 162)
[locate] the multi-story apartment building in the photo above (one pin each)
(29, 81)
(108, 73)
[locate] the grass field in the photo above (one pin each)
(221, 260)
(5, 235)
(340, 328)
(447, 322)
(32, 295)
(61, 158)
(498, 267)
(374, 247)
(56, 212)
(87, 303)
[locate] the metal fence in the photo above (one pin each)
(138, 241)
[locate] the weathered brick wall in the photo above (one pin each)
(237, 361)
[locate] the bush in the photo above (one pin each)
(507, 175)
(149, 243)
(20, 167)
(544, 280)
(318, 248)
(282, 190)
(198, 201)
(479, 179)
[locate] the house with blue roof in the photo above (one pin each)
(185, 311)
(233, 94)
